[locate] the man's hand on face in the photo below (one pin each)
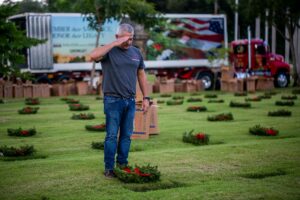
(121, 40)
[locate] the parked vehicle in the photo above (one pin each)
(263, 62)
(179, 47)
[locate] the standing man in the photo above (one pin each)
(122, 64)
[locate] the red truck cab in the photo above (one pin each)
(263, 62)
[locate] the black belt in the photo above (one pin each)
(111, 94)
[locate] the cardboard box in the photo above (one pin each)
(233, 86)
(240, 85)
(27, 90)
(58, 90)
(265, 83)
(189, 86)
(8, 90)
(251, 84)
(178, 87)
(199, 85)
(70, 88)
(82, 88)
(18, 91)
(45, 90)
(153, 128)
(227, 72)
(1, 91)
(224, 85)
(167, 87)
(37, 90)
(141, 124)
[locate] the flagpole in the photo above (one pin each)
(236, 20)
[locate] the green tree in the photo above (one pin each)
(12, 42)
(282, 13)
(98, 11)
(30, 6)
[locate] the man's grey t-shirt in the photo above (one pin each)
(119, 67)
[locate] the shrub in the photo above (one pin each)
(211, 96)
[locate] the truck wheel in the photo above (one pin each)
(281, 80)
(207, 79)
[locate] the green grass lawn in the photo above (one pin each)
(236, 165)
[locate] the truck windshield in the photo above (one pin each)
(260, 49)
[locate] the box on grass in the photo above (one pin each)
(82, 88)
(154, 130)
(265, 83)
(251, 84)
(141, 123)
(27, 90)
(8, 90)
(18, 91)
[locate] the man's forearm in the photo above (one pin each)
(142, 78)
(99, 52)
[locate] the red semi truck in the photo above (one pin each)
(263, 62)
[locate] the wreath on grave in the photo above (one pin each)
(195, 94)
(280, 113)
(240, 94)
(193, 99)
(216, 101)
(21, 132)
(196, 109)
(253, 99)
(178, 98)
(137, 174)
(296, 91)
(78, 107)
(289, 97)
(263, 131)
(64, 99)
(98, 145)
(265, 96)
(165, 95)
(1, 101)
(100, 127)
(16, 152)
(235, 104)
(160, 101)
(221, 117)
(72, 101)
(83, 116)
(28, 110)
(211, 96)
(32, 101)
(197, 139)
(271, 93)
(174, 102)
(99, 98)
(284, 103)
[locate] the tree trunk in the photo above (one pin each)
(94, 63)
(294, 59)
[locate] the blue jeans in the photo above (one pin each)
(119, 117)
